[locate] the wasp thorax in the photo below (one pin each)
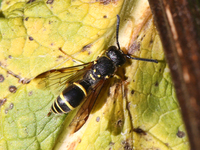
(116, 56)
(104, 67)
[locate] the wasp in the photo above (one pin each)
(85, 81)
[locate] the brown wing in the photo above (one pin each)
(83, 113)
(58, 78)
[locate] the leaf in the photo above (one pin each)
(182, 66)
(145, 103)
(37, 36)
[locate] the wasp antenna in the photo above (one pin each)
(117, 31)
(142, 59)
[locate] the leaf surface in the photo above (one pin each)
(37, 36)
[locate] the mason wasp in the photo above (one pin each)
(85, 81)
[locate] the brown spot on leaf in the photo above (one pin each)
(26, 19)
(139, 131)
(180, 134)
(59, 57)
(30, 93)
(30, 38)
(111, 144)
(11, 106)
(1, 78)
(50, 1)
(120, 123)
(98, 119)
(49, 114)
(9, 56)
(127, 145)
(12, 89)
(143, 37)
(50, 22)
(105, 16)
(156, 84)
(151, 41)
(86, 47)
(2, 101)
(132, 92)
(89, 52)
(6, 111)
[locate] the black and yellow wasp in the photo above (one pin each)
(85, 81)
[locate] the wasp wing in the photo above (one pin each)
(83, 113)
(58, 79)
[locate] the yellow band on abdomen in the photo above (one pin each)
(81, 87)
(66, 102)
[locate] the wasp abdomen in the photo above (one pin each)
(71, 97)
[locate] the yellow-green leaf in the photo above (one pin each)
(37, 36)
